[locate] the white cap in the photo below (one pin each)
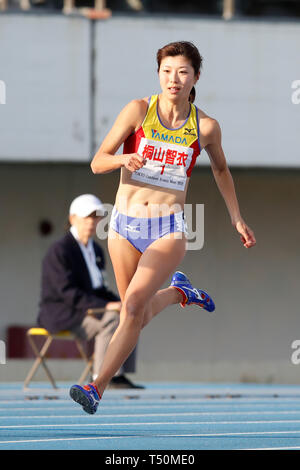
(85, 204)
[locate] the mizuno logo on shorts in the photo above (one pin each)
(130, 228)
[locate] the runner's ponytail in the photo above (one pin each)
(192, 95)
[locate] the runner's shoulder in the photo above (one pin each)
(138, 106)
(135, 111)
(208, 125)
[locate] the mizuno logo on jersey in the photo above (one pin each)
(188, 131)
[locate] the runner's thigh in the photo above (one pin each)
(124, 258)
(155, 266)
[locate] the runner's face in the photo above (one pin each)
(177, 77)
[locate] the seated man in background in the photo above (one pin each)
(74, 280)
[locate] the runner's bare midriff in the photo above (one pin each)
(145, 200)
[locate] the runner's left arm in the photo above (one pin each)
(225, 183)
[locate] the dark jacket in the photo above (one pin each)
(66, 288)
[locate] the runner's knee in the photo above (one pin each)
(134, 306)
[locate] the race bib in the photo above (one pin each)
(166, 164)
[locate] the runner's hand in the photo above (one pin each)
(113, 306)
(134, 161)
(247, 235)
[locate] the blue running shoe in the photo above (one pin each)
(87, 396)
(190, 294)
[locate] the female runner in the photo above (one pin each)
(162, 136)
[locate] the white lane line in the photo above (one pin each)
(199, 409)
(145, 435)
(69, 439)
(110, 403)
(251, 433)
(141, 415)
(272, 448)
(151, 423)
(138, 415)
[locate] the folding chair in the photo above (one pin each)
(41, 354)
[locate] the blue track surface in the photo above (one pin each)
(163, 416)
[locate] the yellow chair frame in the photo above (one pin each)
(41, 354)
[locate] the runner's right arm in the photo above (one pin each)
(126, 123)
